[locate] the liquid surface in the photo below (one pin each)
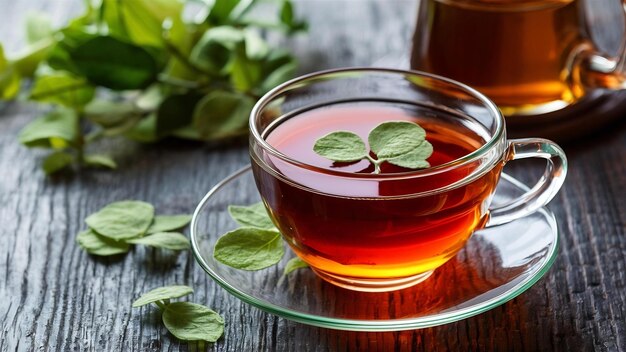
(515, 52)
(370, 237)
(296, 137)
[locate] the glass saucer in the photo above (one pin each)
(496, 265)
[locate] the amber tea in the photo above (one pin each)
(354, 230)
(514, 51)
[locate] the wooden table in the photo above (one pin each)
(56, 297)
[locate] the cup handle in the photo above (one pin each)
(545, 189)
(590, 69)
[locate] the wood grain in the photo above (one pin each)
(55, 297)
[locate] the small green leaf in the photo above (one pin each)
(278, 76)
(220, 11)
(245, 74)
(27, 60)
(122, 220)
(175, 111)
(341, 146)
(162, 293)
(141, 21)
(114, 64)
(100, 245)
(193, 322)
(294, 264)
(100, 160)
(252, 216)
(107, 113)
(57, 129)
(215, 50)
(38, 27)
(73, 36)
(249, 248)
(62, 88)
(256, 47)
(164, 223)
(144, 131)
(415, 159)
(57, 161)
(288, 19)
(394, 138)
(168, 240)
(9, 78)
(150, 98)
(222, 114)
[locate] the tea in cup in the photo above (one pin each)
(388, 230)
(529, 56)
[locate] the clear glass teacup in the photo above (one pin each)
(382, 232)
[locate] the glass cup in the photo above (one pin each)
(529, 56)
(382, 232)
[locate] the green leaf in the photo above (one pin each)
(62, 88)
(99, 245)
(144, 131)
(162, 293)
(107, 113)
(256, 47)
(252, 216)
(38, 27)
(288, 19)
(9, 78)
(57, 129)
(215, 50)
(394, 138)
(294, 264)
(249, 248)
(193, 322)
(245, 74)
(150, 98)
(168, 240)
(220, 11)
(415, 159)
(114, 64)
(57, 161)
(100, 160)
(28, 59)
(122, 220)
(175, 111)
(222, 114)
(278, 76)
(164, 223)
(341, 146)
(73, 36)
(141, 20)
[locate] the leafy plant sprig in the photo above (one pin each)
(400, 143)
(118, 225)
(256, 245)
(140, 70)
(185, 320)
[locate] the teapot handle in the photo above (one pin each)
(590, 69)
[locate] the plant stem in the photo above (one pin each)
(376, 164)
(80, 139)
(161, 305)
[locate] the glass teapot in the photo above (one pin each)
(529, 56)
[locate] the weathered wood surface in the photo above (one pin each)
(56, 297)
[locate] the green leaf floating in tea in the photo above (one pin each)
(400, 143)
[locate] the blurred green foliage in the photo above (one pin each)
(141, 70)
